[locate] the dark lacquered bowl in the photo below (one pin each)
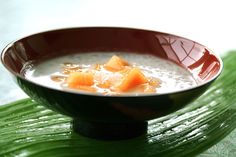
(112, 117)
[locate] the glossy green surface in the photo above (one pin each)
(28, 129)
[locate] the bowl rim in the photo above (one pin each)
(102, 95)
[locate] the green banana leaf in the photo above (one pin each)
(30, 130)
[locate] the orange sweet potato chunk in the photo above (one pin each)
(77, 79)
(115, 64)
(133, 79)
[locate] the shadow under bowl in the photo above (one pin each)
(111, 117)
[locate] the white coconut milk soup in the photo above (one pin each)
(111, 74)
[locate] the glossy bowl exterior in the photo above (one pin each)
(195, 57)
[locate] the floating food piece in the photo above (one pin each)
(57, 78)
(77, 79)
(116, 64)
(133, 79)
(105, 84)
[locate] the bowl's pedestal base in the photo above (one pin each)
(109, 131)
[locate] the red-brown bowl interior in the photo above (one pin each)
(198, 59)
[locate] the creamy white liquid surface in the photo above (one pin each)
(172, 77)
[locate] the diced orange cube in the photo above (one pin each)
(133, 79)
(76, 79)
(115, 64)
